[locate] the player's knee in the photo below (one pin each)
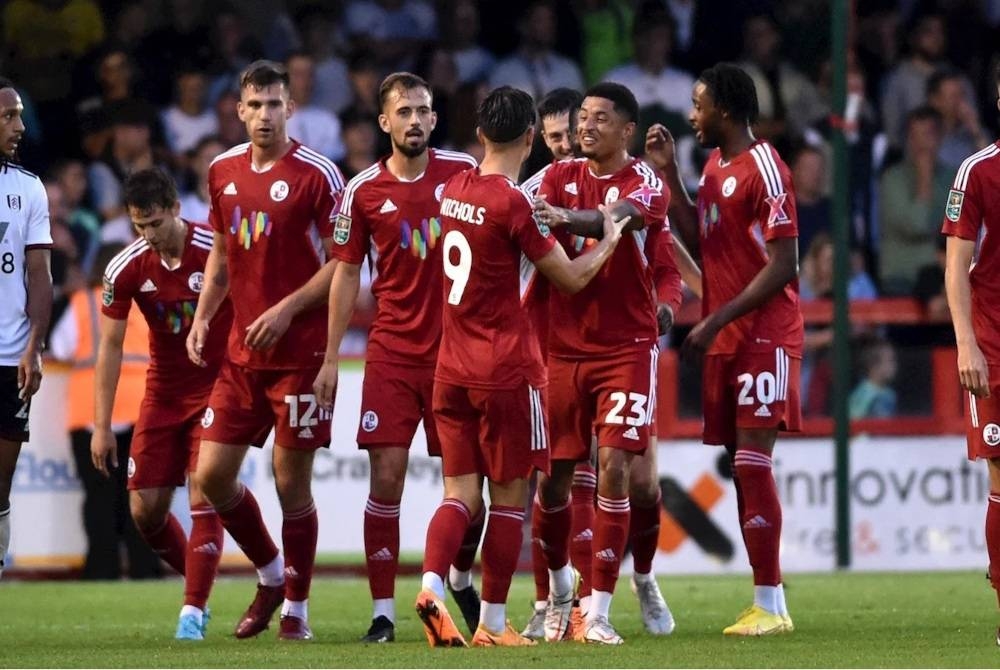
(554, 491)
(613, 479)
(147, 518)
(387, 484)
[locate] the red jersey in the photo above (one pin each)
(973, 213)
(167, 299)
(487, 339)
(618, 307)
(274, 223)
(401, 220)
(742, 205)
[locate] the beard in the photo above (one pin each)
(411, 151)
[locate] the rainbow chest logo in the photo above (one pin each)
(420, 239)
(177, 316)
(249, 229)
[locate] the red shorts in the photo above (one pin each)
(612, 398)
(165, 442)
(246, 402)
(983, 431)
(394, 399)
(749, 390)
(499, 433)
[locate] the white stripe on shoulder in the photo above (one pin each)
(447, 155)
(324, 165)
(366, 175)
(768, 168)
(965, 169)
(534, 182)
(648, 175)
(124, 257)
(229, 153)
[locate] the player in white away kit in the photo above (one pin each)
(26, 287)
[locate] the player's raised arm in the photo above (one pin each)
(103, 445)
(343, 297)
(683, 212)
(215, 291)
(973, 371)
(571, 276)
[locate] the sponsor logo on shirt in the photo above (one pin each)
(777, 215)
(279, 190)
(342, 229)
(14, 202)
(953, 210)
(177, 316)
(147, 286)
(419, 239)
(388, 206)
(196, 281)
(571, 188)
(108, 294)
(230, 189)
(612, 195)
(249, 229)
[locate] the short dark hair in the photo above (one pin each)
(559, 101)
(924, 113)
(506, 114)
(940, 76)
(263, 73)
(732, 90)
(149, 188)
(624, 101)
(403, 80)
(6, 83)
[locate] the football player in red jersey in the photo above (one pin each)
(745, 230)
(162, 272)
(489, 383)
(394, 208)
(272, 206)
(602, 358)
(972, 224)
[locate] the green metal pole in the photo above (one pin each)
(841, 254)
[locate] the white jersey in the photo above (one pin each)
(24, 224)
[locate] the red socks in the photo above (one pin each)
(610, 533)
(382, 546)
(241, 517)
(993, 539)
(466, 555)
(299, 533)
(501, 548)
(582, 526)
(539, 565)
(444, 536)
(204, 549)
(169, 543)
(761, 516)
(644, 531)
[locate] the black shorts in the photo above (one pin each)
(13, 410)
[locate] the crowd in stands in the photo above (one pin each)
(111, 86)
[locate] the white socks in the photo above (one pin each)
(459, 579)
(296, 608)
(600, 605)
(384, 607)
(561, 582)
(272, 574)
(193, 611)
(766, 597)
(433, 582)
(493, 617)
(4, 536)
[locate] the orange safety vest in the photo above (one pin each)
(135, 360)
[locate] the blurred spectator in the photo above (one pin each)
(788, 101)
(950, 93)
(106, 518)
(184, 41)
(314, 126)
(195, 198)
(437, 65)
(128, 150)
(929, 288)
(877, 43)
(189, 119)
(460, 30)
(232, 131)
(359, 142)
(333, 86)
(809, 174)
(115, 76)
(365, 81)
(605, 28)
(234, 49)
(392, 30)
(535, 67)
(662, 91)
(905, 87)
(911, 196)
(66, 274)
(874, 397)
(66, 185)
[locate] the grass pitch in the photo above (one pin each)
(937, 620)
